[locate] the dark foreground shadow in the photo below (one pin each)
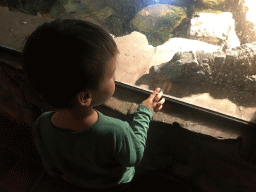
(207, 163)
(177, 159)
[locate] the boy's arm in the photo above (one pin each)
(130, 142)
(140, 123)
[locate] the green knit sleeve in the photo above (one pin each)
(131, 140)
(140, 123)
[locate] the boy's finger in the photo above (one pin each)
(152, 96)
(162, 101)
(160, 107)
(159, 95)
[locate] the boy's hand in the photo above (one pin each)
(154, 102)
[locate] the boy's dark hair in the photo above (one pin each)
(65, 56)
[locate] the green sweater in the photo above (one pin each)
(103, 155)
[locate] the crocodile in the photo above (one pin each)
(225, 65)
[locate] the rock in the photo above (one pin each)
(158, 20)
(135, 57)
(84, 17)
(97, 16)
(114, 25)
(216, 29)
(243, 14)
(213, 2)
(125, 11)
(180, 3)
(249, 25)
(183, 44)
(118, 6)
(197, 11)
(93, 4)
(103, 13)
(250, 14)
(63, 7)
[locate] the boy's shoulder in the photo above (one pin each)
(42, 120)
(44, 116)
(111, 122)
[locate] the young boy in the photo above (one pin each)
(72, 64)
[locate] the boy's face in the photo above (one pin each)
(107, 87)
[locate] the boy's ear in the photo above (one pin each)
(84, 98)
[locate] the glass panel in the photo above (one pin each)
(199, 51)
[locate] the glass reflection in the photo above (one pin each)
(199, 51)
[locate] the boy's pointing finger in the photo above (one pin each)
(152, 96)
